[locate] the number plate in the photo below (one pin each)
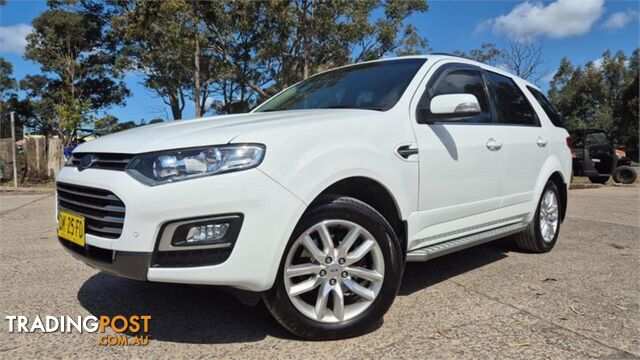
(71, 227)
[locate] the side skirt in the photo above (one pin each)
(447, 247)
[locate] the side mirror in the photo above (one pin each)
(457, 105)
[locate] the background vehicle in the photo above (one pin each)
(79, 136)
(594, 155)
(317, 198)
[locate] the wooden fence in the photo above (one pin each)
(38, 159)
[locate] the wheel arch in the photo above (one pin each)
(552, 170)
(557, 179)
(374, 194)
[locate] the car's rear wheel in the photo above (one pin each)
(340, 272)
(542, 233)
(625, 175)
(598, 179)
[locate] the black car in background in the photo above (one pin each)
(594, 156)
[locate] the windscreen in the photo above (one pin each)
(373, 86)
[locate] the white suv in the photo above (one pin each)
(317, 198)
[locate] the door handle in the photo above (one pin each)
(493, 144)
(541, 142)
(406, 150)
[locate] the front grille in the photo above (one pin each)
(186, 258)
(103, 211)
(106, 161)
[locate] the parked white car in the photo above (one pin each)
(317, 198)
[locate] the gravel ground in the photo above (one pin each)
(579, 301)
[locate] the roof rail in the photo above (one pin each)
(449, 54)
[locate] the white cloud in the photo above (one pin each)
(13, 38)
(484, 26)
(620, 19)
(560, 19)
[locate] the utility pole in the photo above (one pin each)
(13, 147)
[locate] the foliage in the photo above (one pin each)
(7, 81)
(8, 97)
(231, 54)
(311, 36)
(37, 109)
(68, 43)
(152, 38)
(72, 111)
(106, 124)
(601, 95)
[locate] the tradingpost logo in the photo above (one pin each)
(137, 326)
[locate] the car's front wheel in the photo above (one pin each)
(339, 274)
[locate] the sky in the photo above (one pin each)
(578, 29)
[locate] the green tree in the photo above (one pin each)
(37, 109)
(309, 36)
(126, 125)
(228, 55)
(627, 106)
(10, 102)
(7, 81)
(159, 40)
(79, 76)
(106, 124)
(601, 95)
(8, 97)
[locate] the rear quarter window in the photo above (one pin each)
(545, 104)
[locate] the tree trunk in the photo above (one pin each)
(196, 78)
(305, 42)
(176, 110)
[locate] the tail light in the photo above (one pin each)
(570, 142)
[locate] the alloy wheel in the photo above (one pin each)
(334, 271)
(549, 215)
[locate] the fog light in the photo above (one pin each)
(199, 233)
(209, 232)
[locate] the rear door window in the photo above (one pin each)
(512, 106)
(598, 138)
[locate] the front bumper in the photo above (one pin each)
(270, 214)
(130, 265)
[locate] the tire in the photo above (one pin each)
(532, 238)
(299, 313)
(625, 175)
(598, 179)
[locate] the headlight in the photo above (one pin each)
(182, 164)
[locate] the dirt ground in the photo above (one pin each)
(579, 301)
